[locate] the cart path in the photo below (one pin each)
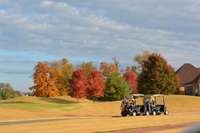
(156, 128)
(38, 120)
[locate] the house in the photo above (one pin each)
(189, 77)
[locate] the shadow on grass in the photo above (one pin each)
(117, 116)
(57, 100)
(14, 102)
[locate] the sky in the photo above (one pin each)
(94, 30)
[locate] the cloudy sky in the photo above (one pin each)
(94, 30)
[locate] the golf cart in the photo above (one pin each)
(157, 105)
(131, 106)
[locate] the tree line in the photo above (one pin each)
(7, 91)
(152, 75)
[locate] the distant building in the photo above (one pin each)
(189, 79)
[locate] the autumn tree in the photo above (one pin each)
(62, 71)
(109, 68)
(140, 58)
(79, 84)
(130, 77)
(157, 76)
(44, 83)
(116, 87)
(87, 67)
(96, 84)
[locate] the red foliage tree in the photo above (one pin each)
(96, 85)
(79, 84)
(131, 78)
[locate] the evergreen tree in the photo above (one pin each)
(116, 87)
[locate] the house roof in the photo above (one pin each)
(188, 73)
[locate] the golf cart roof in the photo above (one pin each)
(158, 95)
(138, 95)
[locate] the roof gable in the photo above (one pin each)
(188, 73)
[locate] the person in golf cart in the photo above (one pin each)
(148, 104)
(131, 107)
(157, 105)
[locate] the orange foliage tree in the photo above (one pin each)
(96, 85)
(44, 83)
(107, 69)
(79, 84)
(130, 77)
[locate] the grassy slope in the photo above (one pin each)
(32, 107)
(103, 116)
(69, 106)
(38, 103)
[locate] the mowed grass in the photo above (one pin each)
(70, 106)
(39, 103)
(100, 116)
(36, 107)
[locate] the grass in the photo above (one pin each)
(100, 116)
(35, 106)
(40, 103)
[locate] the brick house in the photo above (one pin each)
(189, 79)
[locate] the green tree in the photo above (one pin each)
(157, 76)
(116, 87)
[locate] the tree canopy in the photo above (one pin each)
(44, 82)
(116, 87)
(157, 76)
(130, 77)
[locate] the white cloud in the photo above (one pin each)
(94, 30)
(101, 28)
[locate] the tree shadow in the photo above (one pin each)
(57, 100)
(116, 116)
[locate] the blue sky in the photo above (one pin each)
(94, 30)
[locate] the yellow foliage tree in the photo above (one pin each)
(62, 71)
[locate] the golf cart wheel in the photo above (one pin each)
(154, 113)
(166, 112)
(147, 113)
(134, 113)
(123, 114)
